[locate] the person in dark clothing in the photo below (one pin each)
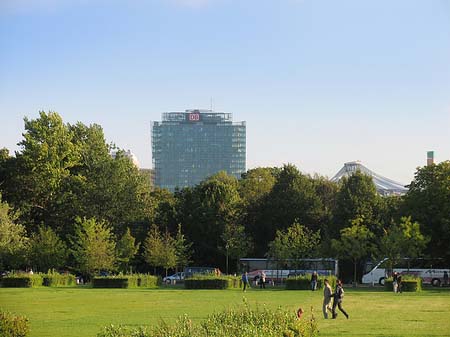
(399, 283)
(338, 298)
(245, 280)
(395, 282)
(314, 281)
(445, 278)
(262, 280)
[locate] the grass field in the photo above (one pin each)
(75, 312)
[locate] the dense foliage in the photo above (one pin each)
(26, 280)
(241, 322)
(13, 326)
(212, 282)
(21, 280)
(63, 192)
(54, 279)
(303, 282)
(409, 284)
(126, 281)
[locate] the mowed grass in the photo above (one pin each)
(74, 312)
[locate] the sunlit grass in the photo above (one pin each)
(55, 312)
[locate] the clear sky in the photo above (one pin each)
(319, 82)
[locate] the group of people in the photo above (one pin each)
(331, 300)
(337, 297)
(259, 280)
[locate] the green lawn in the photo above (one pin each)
(67, 312)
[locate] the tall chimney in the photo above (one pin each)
(430, 158)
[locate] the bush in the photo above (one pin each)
(13, 326)
(303, 282)
(148, 281)
(409, 284)
(54, 279)
(126, 281)
(240, 322)
(22, 280)
(111, 282)
(212, 282)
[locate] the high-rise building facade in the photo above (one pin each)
(189, 146)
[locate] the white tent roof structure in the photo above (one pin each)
(384, 186)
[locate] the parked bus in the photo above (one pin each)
(277, 271)
(423, 268)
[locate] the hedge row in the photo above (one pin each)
(410, 284)
(212, 282)
(51, 279)
(22, 281)
(126, 281)
(303, 282)
(148, 281)
(13, 326)
(58, 280)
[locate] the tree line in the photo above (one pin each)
(67, 201)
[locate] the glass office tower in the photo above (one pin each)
(189, 146)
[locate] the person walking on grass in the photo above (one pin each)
(262, 280)
(395, 282)
(399, 284)
(245, 281)
(338, 298)
(327, 296)
(314, 281)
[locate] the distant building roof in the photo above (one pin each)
(384, 186)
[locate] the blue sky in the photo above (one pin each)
(319, 82)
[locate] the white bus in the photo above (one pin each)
(278, 271)
(422, 268)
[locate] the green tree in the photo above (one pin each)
(292, 198)
(356, 243)
(357, 198)
(126, 249)
(47, 250)
(93, 246)
(154, 248)
(183, 249)
(295, 243)
(204, 211)
(256, 184)
(326, 191)
(170, 252)
(236, 243)
(41, 170)
(64, 171)
(13, 239)
(160, 250)
(403, 240)
(428, 202)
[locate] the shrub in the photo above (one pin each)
(409, 283)
(240, 322)
(303, 282)
(148, 281)
(110, 282)
(126, 281)
(22, 280)
(212, 282)
(54, 279)
(13, 326)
